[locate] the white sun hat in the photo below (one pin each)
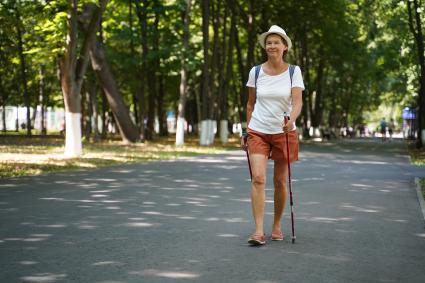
(274, 29)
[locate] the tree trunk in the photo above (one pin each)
(3, 117)
(95, 111)
(224, 133)
(23, 69)
(306, 99)
(160, 79)
(17, 119)
(3, 96)
(252, 33)
(183, 76)
(205, 67)
(91, 125)
(128, 129)
(104, 117)
(207, 136)
(71, 93)
(3, 105)
(141, 100)
(162, 115)
(72, 71)
(148, 71)
(243, 76)
(134, 95)
(415, 26)
(215, 59)
(87, 110)
(142, 15)
(43, 100)
(33, 117)
(317, 111)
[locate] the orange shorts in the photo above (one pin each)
(273, 145)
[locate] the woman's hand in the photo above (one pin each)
(244, 142)
(289, 126)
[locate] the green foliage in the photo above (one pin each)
(367, 52)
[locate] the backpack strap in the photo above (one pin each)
(258, 68)
(257, 72)
(291, 72)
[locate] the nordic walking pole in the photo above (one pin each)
(245, 140)
(290, 182)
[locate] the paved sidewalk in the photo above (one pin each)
(357, 220)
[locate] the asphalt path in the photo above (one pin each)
(357, 220)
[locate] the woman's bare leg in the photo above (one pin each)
(279, 180)
(258, 194)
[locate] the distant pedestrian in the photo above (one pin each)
(383, 129)
(273, 94)
(391, 128)
(62, 127)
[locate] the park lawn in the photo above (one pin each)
(418, 159)
(23, 156)
(422, 183)
(417, 156)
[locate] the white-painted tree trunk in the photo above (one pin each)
(207, 132)
(315, 132)
(73, 145)
(180, 131)
(224, 133)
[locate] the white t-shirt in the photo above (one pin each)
(273, 99)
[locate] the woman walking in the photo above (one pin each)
(273, 94)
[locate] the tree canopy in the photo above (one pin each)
(354, 55)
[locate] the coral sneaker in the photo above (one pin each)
(257, 240)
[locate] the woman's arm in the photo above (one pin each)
(297, 104)
(249, 108)
(250, 104)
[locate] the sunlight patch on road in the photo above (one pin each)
(228, 235)
(28, 262)
(111, 201)
(212, 219)
(152, 212)
(138, 224)
(358, 208)
(44, 278)
(326, 219)
(106, 263)
(362, 185)
(235, 220)
(363, 162)
(58, 199)
(113, 207)
(166, 274)
(99, 196)
(242, 199)
(53, 226)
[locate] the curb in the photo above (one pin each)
(420, 197)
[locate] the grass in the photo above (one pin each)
(422, 183)
(417, 155)
(24, 156)
(418, 159)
